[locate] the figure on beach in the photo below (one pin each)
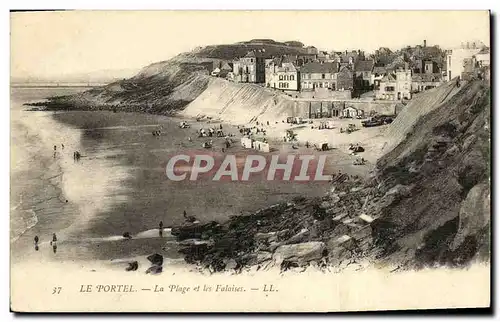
(76, 156)
(190, 219)
(36, 243)
(160, 227)
(53, 242)
(62, 146)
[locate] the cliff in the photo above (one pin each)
(169, 86)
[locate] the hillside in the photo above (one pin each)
(168, 86)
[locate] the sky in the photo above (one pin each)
(52, 44)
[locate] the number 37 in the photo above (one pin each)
(56, 290)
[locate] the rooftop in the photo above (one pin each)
(363, 66)
(315, 67)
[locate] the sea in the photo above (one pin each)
(119, 185)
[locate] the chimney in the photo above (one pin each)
(425, 43)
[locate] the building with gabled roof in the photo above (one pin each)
(425, 81)
(282, 74)
(362, 75)
(250, 68)
(317, 75)
(395, 86)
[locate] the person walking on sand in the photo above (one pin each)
(55, 147)
(54, 238)
(160, 228)
(36, 242)
(62, 146)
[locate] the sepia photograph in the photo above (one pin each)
(249, 161)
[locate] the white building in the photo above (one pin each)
(483, 57)
(455, 60)
(282, 74)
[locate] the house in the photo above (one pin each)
(377, 74)
(282, 74)
(304, 59)
(425, 66)
(324, 57)
(225, 69)
(311, 50)
(351, 57)
(318, 75)
(250, 68)
(483, 57)
(362, 74)
(344, 79)
(395, 85)
(455, 60)
(425, 81)
(332, 76)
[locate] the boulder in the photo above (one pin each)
(133, 266)
(256, 258)
(155, 269)
(270, 241)
(340, 230)
(127, 235)
(156, 259)
(474, 214)
(299, 253)
(230, 264)
(400, 190)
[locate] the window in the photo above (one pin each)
(323, 76)
(281, 77)
(426, 67)
(292, 77)
(251, 60)
(280, 84)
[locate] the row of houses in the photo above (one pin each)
(314, 70)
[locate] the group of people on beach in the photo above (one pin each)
(76, 154)
(53, 243)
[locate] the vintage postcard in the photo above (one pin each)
(249, 161)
